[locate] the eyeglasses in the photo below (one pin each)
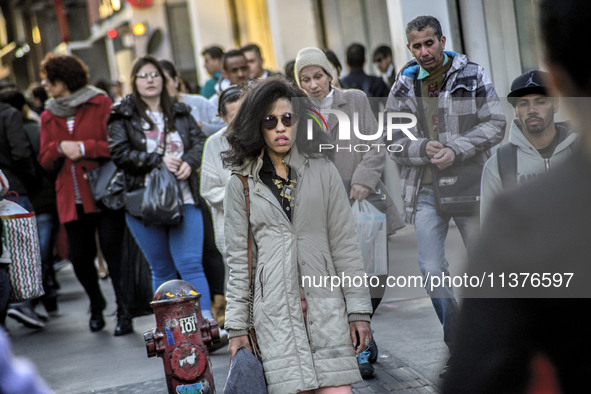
(271, 121)
(153, 75)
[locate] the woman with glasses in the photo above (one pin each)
(301, 227)
(73, 141)
(149, 129)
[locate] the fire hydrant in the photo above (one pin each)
(181, 338)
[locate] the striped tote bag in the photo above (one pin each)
(20, 244)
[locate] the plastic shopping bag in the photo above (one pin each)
(372, 233)
(20, 244)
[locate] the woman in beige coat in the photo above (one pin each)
(303, 237)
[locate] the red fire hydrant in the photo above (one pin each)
(181, 337)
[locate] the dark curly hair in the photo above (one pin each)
(66, 68)
(166, 102)
(245, 133)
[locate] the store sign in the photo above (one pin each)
(140, 3)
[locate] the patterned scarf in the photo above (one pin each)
(67, 106)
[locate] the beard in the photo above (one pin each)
(534, 129)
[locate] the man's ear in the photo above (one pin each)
(443, 42)
(224, 74)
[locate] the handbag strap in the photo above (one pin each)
(244, 180)
(250, 327)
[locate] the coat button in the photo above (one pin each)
(297, 204)
(311, 323)
(258, 190)
(313, 350)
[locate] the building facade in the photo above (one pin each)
(499, 34)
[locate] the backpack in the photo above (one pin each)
(507, 165)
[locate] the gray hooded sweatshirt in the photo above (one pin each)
(530, 164)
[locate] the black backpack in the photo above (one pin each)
(507, 164)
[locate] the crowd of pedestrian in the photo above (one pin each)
(296, 217)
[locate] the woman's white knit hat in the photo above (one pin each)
(311, 57)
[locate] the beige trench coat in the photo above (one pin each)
(363, 168)
(320, 241)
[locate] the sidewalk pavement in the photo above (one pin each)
(71, 359)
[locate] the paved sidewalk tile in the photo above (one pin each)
(393, 377)
(390, 377)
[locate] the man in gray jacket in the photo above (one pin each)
(536, 143)
(459, 118)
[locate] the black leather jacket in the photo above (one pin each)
(17, 160)
(127, 144)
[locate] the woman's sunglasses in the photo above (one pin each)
(271, 121)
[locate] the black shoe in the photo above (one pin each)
(24, 313)
(124, 326)
(97, 322)
(445, 369)
(365, 368)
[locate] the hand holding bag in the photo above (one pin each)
(20, 245)
(246, 371)
(160, 202)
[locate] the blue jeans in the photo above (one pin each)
(175, 248)
(46, 225)
(431, 232)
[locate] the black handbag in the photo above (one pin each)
(457, 190)
(160, 202)
(107, 185)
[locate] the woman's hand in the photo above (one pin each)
(183, 172)
(359, 192)
(236, 343)
(71, 149)
(363, 329)
(172, 163)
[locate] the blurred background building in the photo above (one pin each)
(109, 34)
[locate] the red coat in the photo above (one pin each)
(90, 127)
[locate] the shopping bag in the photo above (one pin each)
(21, 241)
(160, 202)
(372, 234)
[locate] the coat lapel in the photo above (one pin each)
(338, 102)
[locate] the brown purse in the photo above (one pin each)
(252, 337)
